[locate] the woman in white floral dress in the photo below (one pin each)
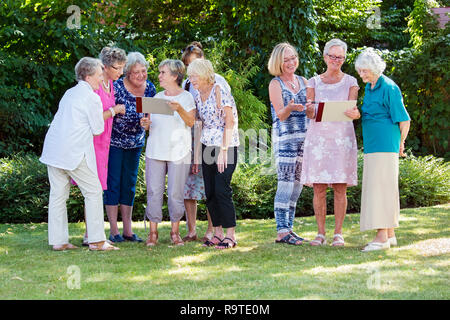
(330, 152)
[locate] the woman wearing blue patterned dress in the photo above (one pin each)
(287, 93)
(127, 140)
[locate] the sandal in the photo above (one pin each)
(338, 240)
(209, 243)
(152, 239)
(226, 245)
(189, 238)
(66, 246)
(176, 238)
(102, 246)
(290, 239)
(319, 242)
(298, 237)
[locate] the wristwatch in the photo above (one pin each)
(224, 148)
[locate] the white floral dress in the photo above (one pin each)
(330, 151)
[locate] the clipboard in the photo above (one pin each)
(334, 110)
(153, 105)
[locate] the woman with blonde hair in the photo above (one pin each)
(220, 140)
(287, 93)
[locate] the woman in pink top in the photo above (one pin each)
(330, 151)
(113, 60)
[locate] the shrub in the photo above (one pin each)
(24, 190)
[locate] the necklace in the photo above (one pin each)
(292, 85)
(106, 86)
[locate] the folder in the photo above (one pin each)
(334, 110)
(153, 105)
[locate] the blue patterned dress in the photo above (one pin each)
(287, 142)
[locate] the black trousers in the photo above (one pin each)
(218, 190)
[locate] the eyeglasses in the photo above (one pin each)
(338, 58)
(116, 68)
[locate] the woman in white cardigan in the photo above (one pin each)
(68, 153)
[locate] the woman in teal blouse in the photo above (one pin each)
(385, 124)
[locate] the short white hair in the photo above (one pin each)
(203, 69)
(334, 43)
(87, 66)
(134, 58)
(370, 59)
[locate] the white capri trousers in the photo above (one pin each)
(89, 184)
(155, 177)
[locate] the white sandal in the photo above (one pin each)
(373, 246)
(317, 242)
(393, 241)
(102, 246)
(339, 242)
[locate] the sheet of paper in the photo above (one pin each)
(334, 110)
(153, 105)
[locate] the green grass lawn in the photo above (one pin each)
(257, 269)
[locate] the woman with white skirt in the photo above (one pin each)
(385, 124)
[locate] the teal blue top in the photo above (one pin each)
(382, 110)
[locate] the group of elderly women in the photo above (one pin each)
(322, 154)
(96, 138)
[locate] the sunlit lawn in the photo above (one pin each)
(257, 269)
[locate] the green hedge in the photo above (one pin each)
(24, 190)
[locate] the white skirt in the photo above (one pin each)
(380, 199)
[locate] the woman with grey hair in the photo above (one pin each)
(113, 60)
(330, 154)
(168, 151)
(127, 140)
(385, 125)
(69, 153)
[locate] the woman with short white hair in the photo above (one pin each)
(69, 153)
(385, 125)
(220, 139)
(330, 157)
(168, 151)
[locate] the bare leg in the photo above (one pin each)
(391, 232)
(126, 212)
(320, 206)
(382, 235)
(112, 212)
(340, 205)
(210, 230)
(191, 215)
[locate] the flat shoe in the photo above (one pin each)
(66, 246)
(133, 238)
(116, 238)
(374, 246)
(152, 239)
(209, 243)
(338, 240)
(190, 238)
(102, 246)
(226, 245)
(317, 242)
(176, 239)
